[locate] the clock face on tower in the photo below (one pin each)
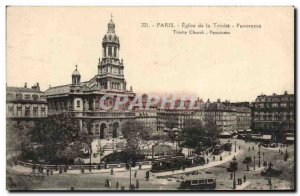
(115, 70)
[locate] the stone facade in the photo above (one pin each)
(83, 98)
(24, 103)
(274, 114)
(224, 115)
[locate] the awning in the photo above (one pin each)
(267, 137)
(290, 138)
(225, 133)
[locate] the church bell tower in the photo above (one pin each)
(110, 68)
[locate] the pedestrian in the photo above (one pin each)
(247, 167)
(111, 171)
(33, 168)
(51, 172)
(207, 160)
(252, 147)
(214, 158)
(231, 176)
(140, 166)
(239, 147)
(220, 158)
(135, 174)
(60, 170)
(137, 184)
(249, 148)
(47, 172)
(82, 170)
(117, 185)
(244, 178)
(241, 181)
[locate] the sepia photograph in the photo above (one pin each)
(145, 99)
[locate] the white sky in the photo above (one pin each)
(45, 43)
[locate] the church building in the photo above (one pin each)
(83, 98)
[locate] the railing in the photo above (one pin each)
(85, 166)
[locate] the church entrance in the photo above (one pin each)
(103, 127)
(115, 129)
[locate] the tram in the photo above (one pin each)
(199, 182)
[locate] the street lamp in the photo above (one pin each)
(270, 174)
(113, 144)
(91, 151)
(254, 162)
(235, 146)
(99, 147)
(130, 175)
(233, 168)
(152, 148)
(259, 156)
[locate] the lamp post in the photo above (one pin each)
(113, 144)
(235, 146)
(254, 162)
(129, 175)
(259, 156)
(233, 167)
(152, 148)
(99, 147)
(270, 174)
(91, 151)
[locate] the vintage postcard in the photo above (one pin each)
(150, 99)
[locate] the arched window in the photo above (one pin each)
(115, 51)
(9, 96)
(27, 96)
(35, 97)
(19, 96)
(109, 51)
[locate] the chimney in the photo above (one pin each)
(37, 86)
(25, 85)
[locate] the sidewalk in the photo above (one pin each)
(210, 164)
(244, 185)
(257, 169)
(27, 170)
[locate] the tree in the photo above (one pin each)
(60, 138)
(247, 161)
(170, 124)
(212, 129)
(19, 138)
(194, 133)
(134, 132)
